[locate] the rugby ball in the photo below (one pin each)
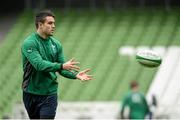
(148, 58)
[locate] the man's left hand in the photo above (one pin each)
(83, 76)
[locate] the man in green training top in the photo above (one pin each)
(136, 102)
(42, 58)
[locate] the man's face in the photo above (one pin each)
(48, 26)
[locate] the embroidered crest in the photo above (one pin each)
(29, 50)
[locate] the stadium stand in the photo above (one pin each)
(165, 85)
(94, 38)
(5, 24)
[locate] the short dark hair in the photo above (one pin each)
(40, 16)
(133, 84)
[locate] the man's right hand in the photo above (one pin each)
(71, 65)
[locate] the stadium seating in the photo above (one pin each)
(93, 38)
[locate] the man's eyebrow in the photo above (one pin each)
(51, 22)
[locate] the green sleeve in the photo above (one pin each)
(30, 51)
(65, 73)
(146, 105)
(124, 104)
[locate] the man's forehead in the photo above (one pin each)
(49, 19)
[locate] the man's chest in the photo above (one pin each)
(48, 51)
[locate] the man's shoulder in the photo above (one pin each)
(31, 39)
(127, 95)
(56, 41)
(141, 94)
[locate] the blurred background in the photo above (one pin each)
(103, 35)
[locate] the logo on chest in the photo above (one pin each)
(54, 48)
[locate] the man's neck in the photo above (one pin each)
(44, 36)
(135, 89)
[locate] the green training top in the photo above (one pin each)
(137, 105)
(42, 58)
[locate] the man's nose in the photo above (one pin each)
(53, 25)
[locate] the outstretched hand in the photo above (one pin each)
(83, 76)
(71, 65)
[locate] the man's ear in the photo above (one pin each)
(40, 24)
